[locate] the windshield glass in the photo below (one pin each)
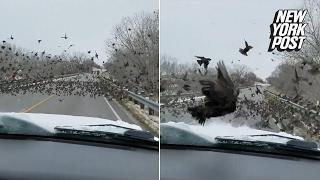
(78, 63)
(232, 70)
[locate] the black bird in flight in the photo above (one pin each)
(246, 49)
(89, 52)
(39, 41)
(220, 96)
(65, 36)
(3, 42)
(203, 60)
(96, 55)
(11, 37)
(71, 45)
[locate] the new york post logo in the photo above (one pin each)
(287, 30)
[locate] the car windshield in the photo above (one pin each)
(232, 71)
(79, 64)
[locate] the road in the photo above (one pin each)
(66, 105)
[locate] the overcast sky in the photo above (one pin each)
(88, 23)
(217, 29)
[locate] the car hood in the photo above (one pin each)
(48, 122)
(182, 133)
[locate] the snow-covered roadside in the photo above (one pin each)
(152, 121)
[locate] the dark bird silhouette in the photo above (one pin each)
(220, 96)
(89, 52)
(203, 60)
(11, 37)
(186, 87)
(39, 41)
(258, 91)
(246, 49)
(3, 42)
(64, 37)
(96, 55)
(71, 45)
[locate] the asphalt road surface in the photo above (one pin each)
(66, 105)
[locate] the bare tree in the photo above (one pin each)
(134, 52)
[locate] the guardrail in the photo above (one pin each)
(138, 99)
(292, 103)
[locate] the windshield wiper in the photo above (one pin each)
(292, 147)
(117, 134)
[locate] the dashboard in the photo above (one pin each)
(49, 159)
(184, 164)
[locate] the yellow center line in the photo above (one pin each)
(28, 109)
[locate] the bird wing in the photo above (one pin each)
(200, 62)
(206, 63)
(223, 73)
(200, 57)
(246, 43)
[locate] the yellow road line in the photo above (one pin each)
(28, 109)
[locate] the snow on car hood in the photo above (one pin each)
(220, 128)
(50, 121)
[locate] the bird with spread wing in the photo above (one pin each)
(245, 50)
(220, 96)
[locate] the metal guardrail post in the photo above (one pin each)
(151, 111)
(141, 105)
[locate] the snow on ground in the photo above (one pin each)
(154, 119)
(218, 127)
(50, 121)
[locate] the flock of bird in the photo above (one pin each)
(34, 72)
(221, 94)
